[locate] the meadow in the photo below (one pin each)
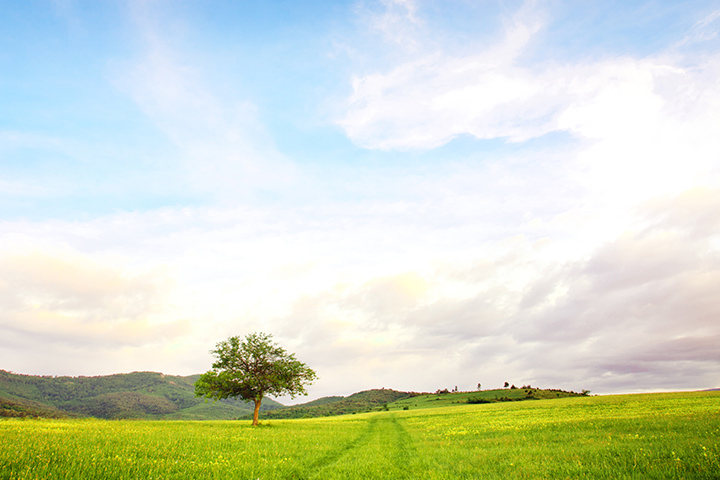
(670, 435)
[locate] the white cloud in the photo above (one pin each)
(648, 125)
(62, 311)
(430, 100)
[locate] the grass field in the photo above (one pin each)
(632, 436)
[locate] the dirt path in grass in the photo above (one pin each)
(383, 449)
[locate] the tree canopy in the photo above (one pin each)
(251, 368)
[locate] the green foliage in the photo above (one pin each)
(128, 405)
(473, 401)
(651, 436)
(147, 395)
(251, 369)
(27, 408)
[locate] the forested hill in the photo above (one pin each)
(357, 402)
(148, 395)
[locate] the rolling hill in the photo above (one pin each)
(386, 399)
(148, 395)
(364, 401)
(156, 396)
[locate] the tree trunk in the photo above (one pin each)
(257, 411)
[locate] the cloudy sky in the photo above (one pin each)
(407, 194)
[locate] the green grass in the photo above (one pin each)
(632, 436)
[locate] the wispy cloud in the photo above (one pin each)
(395, 20)
(499, 91)
(223, 146)
(702, 31)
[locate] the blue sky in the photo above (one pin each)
(406, 193)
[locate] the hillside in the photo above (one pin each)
(28, 408)
(385, 399)
(358, 402)
(445, 398)
(146, 395)
(151, 395)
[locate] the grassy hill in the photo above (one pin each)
(385, 399)
(147, 395)
(445, 399)
(364, 401)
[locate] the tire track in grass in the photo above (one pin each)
(333, 456)
(405, 453)
(384, 449)
(412, 463)
(377, 457)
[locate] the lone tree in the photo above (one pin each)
(252, 368)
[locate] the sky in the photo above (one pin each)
(406, 194)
